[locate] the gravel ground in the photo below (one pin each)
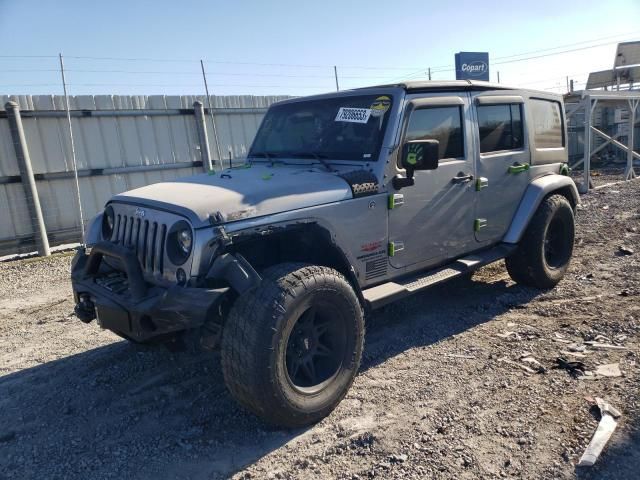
(440, 393)
(602, 175)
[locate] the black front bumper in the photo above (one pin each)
(140, 311)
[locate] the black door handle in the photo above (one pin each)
(461, 178)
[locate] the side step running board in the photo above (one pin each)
(389, 292)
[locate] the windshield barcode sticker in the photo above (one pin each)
(353, 115)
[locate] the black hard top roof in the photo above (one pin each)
(422, 85)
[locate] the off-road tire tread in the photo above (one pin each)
(526, 264)
(252, 319)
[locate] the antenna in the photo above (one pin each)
(73, 148)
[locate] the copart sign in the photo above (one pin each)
(472, 66)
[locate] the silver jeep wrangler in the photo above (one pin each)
(347, 202)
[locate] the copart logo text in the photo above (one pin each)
(475, 68)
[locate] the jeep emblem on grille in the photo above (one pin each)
(139, 212)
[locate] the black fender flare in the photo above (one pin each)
(240, 274)
(236, 271)
(537, 190)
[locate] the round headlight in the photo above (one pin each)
(108, 221)
(179, 242)
(185, 240)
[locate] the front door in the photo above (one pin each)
(502, 162)
(432, 221)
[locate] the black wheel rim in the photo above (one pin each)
(555, 244)
(315, 348)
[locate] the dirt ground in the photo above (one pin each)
(441, 392)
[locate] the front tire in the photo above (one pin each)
(543, 255)
(292, 346)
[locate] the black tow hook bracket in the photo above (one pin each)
(85, 310)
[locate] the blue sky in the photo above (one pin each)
(290, 47)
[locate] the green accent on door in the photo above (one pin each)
(518, 168)
(481, 183)
(392, 202)
(479, 223)
(392, 249)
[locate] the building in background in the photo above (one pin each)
(603, 119)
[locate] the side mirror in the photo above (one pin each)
(420, 155)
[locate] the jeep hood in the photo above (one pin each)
(241, 193)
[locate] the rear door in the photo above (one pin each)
(502, 162)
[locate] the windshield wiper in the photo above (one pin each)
(317, 156)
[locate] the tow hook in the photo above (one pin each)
(85, 310)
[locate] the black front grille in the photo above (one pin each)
(146, 237)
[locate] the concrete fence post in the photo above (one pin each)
(201, 126)
(28, 180)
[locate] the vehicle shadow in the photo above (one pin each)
(441, 312)
(122, 411)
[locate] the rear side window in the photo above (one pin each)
(500, 127)
(438, 123)
(547, 123)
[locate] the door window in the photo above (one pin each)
(547, 124)
(438, 123)
(500, 127)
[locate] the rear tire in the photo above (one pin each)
(543, 255)
(292, 346)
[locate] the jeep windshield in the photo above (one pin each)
(339, 128)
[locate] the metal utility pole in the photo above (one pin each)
(213, 122)
(429, 72)
(568, 90)
(73, 148)
(498, 76)
(335, 73)
(28, 180)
